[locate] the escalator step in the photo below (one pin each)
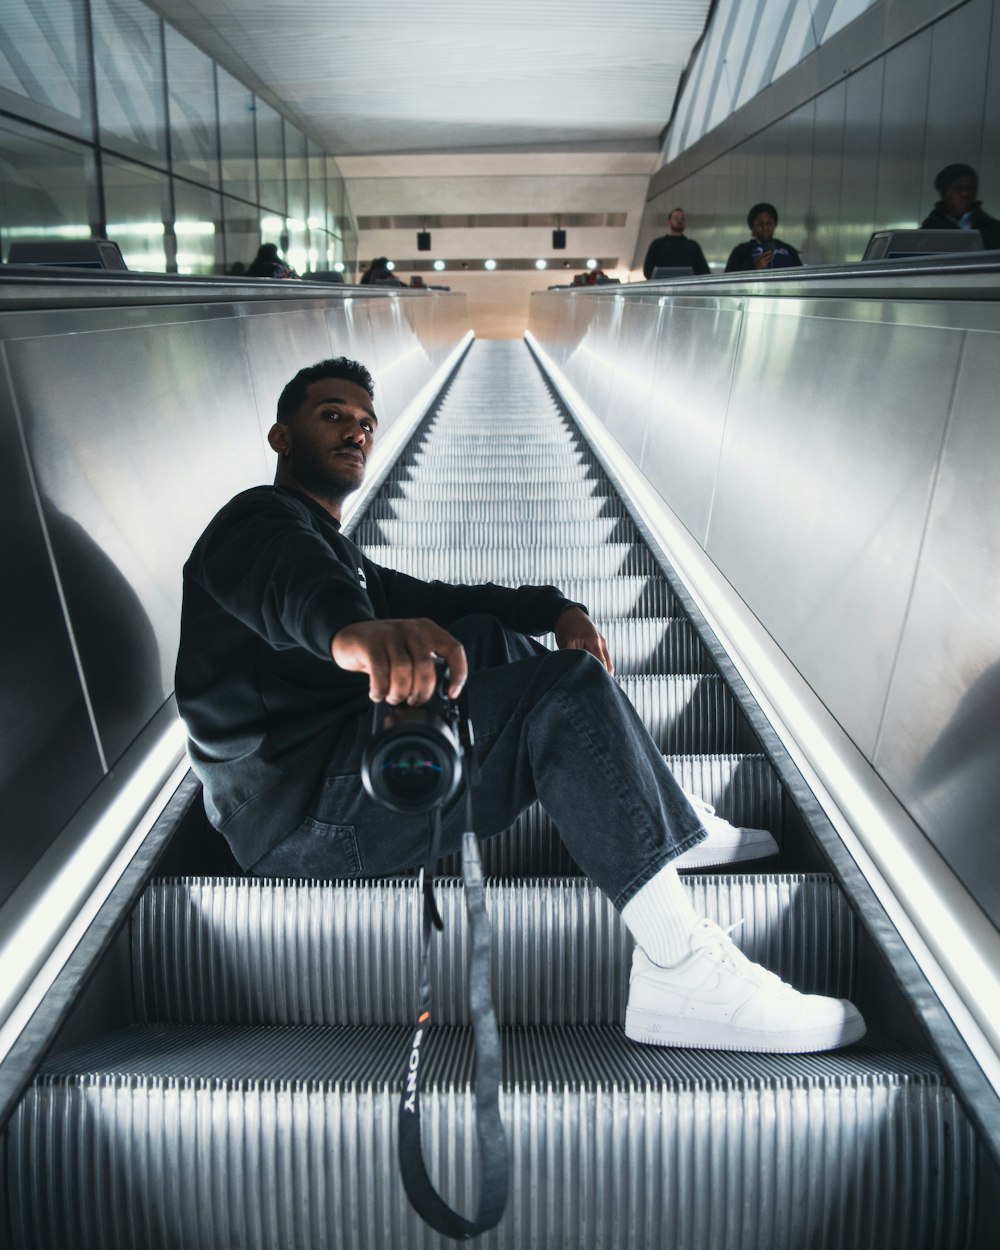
(208, 1136)
(259, 951)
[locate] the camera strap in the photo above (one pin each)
(425, 1199)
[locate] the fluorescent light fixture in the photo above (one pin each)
(490, 264)
(541, 264)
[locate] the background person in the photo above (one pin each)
(958, 208)
(268, 264)
(288, 633)
(675, 250)
(762, 250)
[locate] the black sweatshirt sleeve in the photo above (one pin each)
(265, 561)
(528, 609)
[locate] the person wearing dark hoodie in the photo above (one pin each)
(762, 250)
(959, 208)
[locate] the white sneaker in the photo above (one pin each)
(716, 999)
(725, 844)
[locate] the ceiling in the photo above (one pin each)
(377, 76)
(482, 109)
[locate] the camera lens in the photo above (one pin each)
(412, 771)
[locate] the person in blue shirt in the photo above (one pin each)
(762, 250)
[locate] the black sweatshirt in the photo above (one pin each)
(267, 586)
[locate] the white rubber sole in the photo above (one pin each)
(709, 855)
(652, 1029)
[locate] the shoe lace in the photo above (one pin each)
(718, 940)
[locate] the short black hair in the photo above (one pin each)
(951, 174)
(762, 207)
(293, 396)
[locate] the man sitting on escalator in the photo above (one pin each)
(289, 632)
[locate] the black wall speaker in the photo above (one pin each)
(423, 240)
(559, 240)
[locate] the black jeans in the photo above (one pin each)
(551, 726)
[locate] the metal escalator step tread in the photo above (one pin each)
(271, 951)
(532, 565)
(553, 509)
(511, 535)
(211, 1136)
(653, 646)
(576, 1058)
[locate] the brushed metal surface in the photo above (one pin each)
(682, 1149)
(136, 437)
(956, 92)
(50, 760)
(940, 739)
(628, 408)
(302, 952)
(901, 189)
(278, 344)
(823, 485)
(688, 403)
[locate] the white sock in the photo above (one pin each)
(660, 917)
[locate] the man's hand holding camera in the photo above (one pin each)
(398, 655)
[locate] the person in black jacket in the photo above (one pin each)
(958, 208)
(289, 633)
(762, 250)
(675, 249)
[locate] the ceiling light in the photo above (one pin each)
(591, 264)
(338, 267)
(390, 265)
(541, 264)
(490, 264)
(439, 265)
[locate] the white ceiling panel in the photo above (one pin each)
(379, 76)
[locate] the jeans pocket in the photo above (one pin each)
(314, 849)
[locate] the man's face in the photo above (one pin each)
(960, 196)
(677, 221)
(763, 227)
(326, 445)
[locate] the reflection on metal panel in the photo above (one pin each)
(136, 436)
(940, 742)
(956, 91)
(828, 460)
(688, 405)
(901, 190)
(628, 407)
(279, 344)
(49, 762)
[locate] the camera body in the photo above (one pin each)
(413, 762)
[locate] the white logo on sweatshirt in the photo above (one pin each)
(361, 578)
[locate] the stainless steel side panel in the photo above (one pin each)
(835, 422)
(939, 747)
(50, 759)
(689, 398)
(137, 435)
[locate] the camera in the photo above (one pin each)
(413, 761)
